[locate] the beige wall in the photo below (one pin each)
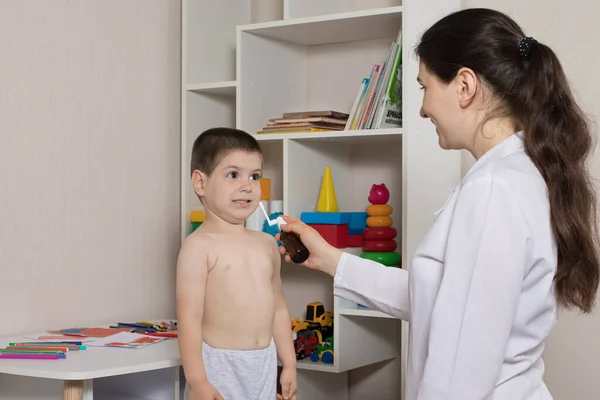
(572, 29)
(89, 161)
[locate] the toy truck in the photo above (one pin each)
(317, 320)
(305, 344)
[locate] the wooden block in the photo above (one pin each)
(355, 241)
(325, 218)
(335, 235)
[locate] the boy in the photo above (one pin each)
(233, 320)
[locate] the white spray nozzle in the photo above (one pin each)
(279, 221)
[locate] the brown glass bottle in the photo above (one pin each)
(294, 247)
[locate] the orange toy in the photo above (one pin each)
(379, 210)
(379, 222)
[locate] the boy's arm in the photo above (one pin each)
(282, 330)
(192, 270)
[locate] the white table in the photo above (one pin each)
(152, 372)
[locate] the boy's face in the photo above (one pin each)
(232, 191)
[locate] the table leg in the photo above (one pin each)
(73, 390)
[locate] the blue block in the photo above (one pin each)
(328, 218)
(358, 223)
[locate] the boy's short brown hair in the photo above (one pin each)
(215, 143)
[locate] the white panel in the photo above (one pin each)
(313, 385)
(310, 8)
(272, 80)
(209, 38)
(336, 28)
(364, 341)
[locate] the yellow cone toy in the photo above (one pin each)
(327, 200)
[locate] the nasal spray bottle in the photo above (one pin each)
(294, 247)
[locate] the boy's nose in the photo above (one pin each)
(246, 186)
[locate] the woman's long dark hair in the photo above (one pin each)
(530, 84)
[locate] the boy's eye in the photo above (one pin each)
(233, 175)
(256, 177)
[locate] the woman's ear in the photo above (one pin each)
(198, 182)
(467, 86)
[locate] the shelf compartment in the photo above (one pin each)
(315, 75)
(225, 88)
(332, 28)
(355, 167)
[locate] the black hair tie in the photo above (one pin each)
(525, 47)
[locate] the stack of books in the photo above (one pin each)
(378, 102)
(306, 121)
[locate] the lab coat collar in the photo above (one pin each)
(510, 145)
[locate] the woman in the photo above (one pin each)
(515, 241)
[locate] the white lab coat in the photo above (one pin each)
(479, 294)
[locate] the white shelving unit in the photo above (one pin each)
(238, 71)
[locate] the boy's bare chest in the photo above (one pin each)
(244, 262)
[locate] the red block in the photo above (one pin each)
(335, 235)
(355, 241)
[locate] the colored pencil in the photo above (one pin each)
(31, 356)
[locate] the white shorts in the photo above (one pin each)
(241, 374)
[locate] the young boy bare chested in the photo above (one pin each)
(233, 320)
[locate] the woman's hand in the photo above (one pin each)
(323, 256)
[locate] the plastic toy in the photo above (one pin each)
(355, 241)
(383, 245)
(379, 194)
(377, 210)
(324, 352)
(305, 344)
(380, 221)
(327, 199)
(331, 218)
(265, 189)
(335, 235)
(358, 223)
(380, 233)
(317, 320)
(379, 242)
(197, 218)
(387, 258)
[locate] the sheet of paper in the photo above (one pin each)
(125, 340)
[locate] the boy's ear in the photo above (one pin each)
(199, 182)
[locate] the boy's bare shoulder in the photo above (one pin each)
(196, 248)
(264, 238)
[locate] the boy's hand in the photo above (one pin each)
(205, 391)
(289, 386)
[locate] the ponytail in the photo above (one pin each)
(530, 84)
(558, 141)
